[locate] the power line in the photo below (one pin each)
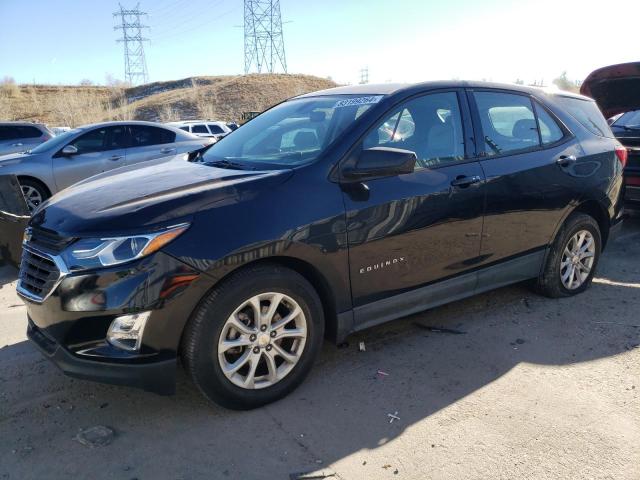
(135, 65)
(263, 40)
(189, 27)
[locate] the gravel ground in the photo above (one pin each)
(533, 388)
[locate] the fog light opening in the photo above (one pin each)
(125, 332)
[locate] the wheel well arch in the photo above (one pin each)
(36, 180)
(599, 214)
(308, 271)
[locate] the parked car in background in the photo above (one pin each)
(233, 125)
(22, 136)
(627, 129)
(616, 89)
(90, 150)
(318, 218)
(204, 128)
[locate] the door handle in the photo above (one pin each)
(115, 157)
(16, 144)
(464, 181)
(566, 160)
(167, 150)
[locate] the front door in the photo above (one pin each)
(410, 230)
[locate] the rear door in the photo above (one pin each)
(411, 230)
(150, 143)
(99, 150)
(529, 160)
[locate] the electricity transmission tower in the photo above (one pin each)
(135, 65)
(364, 75)
(263, 41)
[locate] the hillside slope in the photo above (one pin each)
(220, 98)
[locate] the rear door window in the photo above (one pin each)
(26, 131)
(11, 132)
(199, 129)
(508, 122)
(216, 129)
(550, 131)
(587, 113)
(144, 135)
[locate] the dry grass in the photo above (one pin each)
(220, 98)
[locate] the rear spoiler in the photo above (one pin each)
(14, 217)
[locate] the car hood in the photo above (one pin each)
(12, 159)
(616, 88)
(135, 200)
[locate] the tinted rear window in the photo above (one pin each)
(143, 135)
(588, 114)
(215, 129)
(199, 129)
(19, 131)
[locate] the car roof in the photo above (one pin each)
(15, 123)
(186, 122)
(121, 122)
(393, 88)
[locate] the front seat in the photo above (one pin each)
(440, 141)
(525, 130)
(305, 140)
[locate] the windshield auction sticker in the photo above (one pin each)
(357, 101)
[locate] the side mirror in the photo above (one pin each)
(382, 162)
(69, 150)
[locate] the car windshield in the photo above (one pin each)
(56, 142)
(291, 134)
(629, 120)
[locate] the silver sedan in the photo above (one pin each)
(92, 149)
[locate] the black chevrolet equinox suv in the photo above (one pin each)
(327, 214)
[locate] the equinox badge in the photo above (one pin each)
(382, 265)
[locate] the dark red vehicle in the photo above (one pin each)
(616, 89)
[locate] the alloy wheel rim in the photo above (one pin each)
(262, 340)
(32, 196)
(577, 260)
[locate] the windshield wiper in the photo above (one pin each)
(229, 164)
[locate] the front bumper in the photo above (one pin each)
(70, 325)
(157, 376)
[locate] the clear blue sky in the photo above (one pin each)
(65, 41)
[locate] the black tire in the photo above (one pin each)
(36, 185)
(550, 282)
(200, 340)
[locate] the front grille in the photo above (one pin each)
(50, 241)
(39, 274)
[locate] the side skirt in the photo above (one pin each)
(511, 271)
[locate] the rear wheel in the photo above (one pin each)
(573, 258)
(34, 193)
(254, 338)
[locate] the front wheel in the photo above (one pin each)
(254, 338)
(573, 258)
(34, 193)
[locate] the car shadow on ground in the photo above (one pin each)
(342, 409)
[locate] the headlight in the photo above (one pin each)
(88, 253)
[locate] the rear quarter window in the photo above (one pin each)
(588, 114)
